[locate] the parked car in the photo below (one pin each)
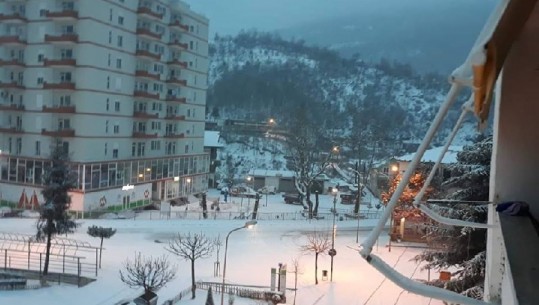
(242, 191)
(269, 190)
(292, 198)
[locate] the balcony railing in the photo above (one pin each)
(63, 133)
(11, 85)
(59, 86)
(12, 62)
(59, 109)
(178, 45)
(12, 107)
(62, 38)
(13, 17)
(177, 62)
(176, 81)
(66, 62)
(11, 129)
(146, 74)
(146, 94)
(174, 135)
(175, 117)
(145, 115)
(149, 34)
(176, 24)
(148, 54)
(172, 98)
(11, 40)
(145, 11)
(63, 15)
(144, 135)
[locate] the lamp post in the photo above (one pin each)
(248, 224)
(332, 251)
(249, 178)
(394, 170)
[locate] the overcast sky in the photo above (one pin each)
(230, 16)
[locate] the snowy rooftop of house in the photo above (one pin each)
(211, 139)
(272, 173)
(431, 155)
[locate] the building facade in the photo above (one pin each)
(121, 84)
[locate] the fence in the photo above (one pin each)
(238, 290)
(178, 297)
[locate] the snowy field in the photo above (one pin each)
(251, 255)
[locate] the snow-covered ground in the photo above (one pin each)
(251, 255)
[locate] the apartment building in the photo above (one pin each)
(120, 83)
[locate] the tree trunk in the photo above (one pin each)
(47, 253)
(100, 252)
(309, 202)
(316, 204)
(193, 286)
(316, 268)
(255, 212)
(358, 199)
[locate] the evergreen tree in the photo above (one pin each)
(463, 247)
(102, 233)
(54, 219)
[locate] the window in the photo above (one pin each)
(63, 124)
(108, 82)
(109, 60)
(115, 153)
(110, 37)
(133, 149)
(65, 77)
(40, 57)
(191, 45)
(191, 29)
(65, 100)
(120, 20)
(68, 29)
(186, 149)
(110, 15)
(155, 145)
(120, 41)
(116, 128)
(188, 113)
(107, 105)
(19, 146)
(66, 53)
(107, 126)
(40, 80)
(38, 148)
(118, 63)
(117, 106)
(141, 148)
(106, 148)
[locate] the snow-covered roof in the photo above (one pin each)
(271, 173)
(431, 155)
(211, 139)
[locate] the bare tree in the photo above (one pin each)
(102, 233)
(217, 243)
(308, 156)
(149, 273)
(317, 243)
(295, 269)
(191, 247)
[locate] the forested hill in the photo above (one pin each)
(256, 75)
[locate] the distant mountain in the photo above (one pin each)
(431, 35)
(255, 76)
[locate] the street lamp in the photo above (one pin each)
(394, 169)
(247, 225)
(188, 186)
(332, 251)
(249, 179)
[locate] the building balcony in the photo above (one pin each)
(62, 38)
(146, 94)
(146, 74)
(13, 18)
(176, 81)
(177, 25)
(59, 86)
(177, 99)
(12, 40)
(144, 135)
(66, 62)
(148, 13)
(175, 117)
(172, 135)
(176, 62)
(148, 55)
(145, 115)
(149, 34)
(12, 63)
(11, 85)
(11, 107)
(62, 133)
(64, 15)
(11, 129)
(178, 45)
(59, 109)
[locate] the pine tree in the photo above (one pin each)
(209, 298)
(54, 219)
(102, 233)
(463, 247)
